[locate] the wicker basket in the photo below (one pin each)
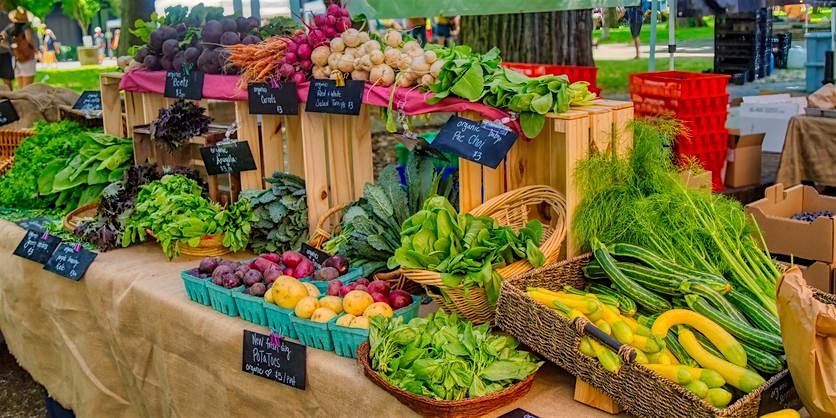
(514, 209)
(445, 409)
(329, 224)
(636, 388)
(210, 245)
(80, 214)
(10, 139)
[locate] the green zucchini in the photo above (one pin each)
(664, 265)
(715, 299)
(642, 296)
(762, 361)
(666, 284)
(707, 345)
(757, 314)
(676, 348)
(746, 333)
(626, 305)
(594, 271)
(574, 290)
(605, 299)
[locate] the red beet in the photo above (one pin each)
(399, 299)
(334, 287)
(379, 297)
(379, 286)
(292, 258)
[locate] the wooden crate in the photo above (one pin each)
(551, 157)
(113, 112)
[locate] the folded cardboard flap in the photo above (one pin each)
(819, 275)
(744, 159)
(736, 140)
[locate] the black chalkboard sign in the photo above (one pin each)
(781, 394)
(265, 99)
(89, 100)
(35, 224)
(480, 142)
(8, 114)
(518, 413)
(37, 246)
(70, 260)
(271, 358)
(181, 85)
(324, 96)
(228, 157)
(314, 254)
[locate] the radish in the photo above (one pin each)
(306, 65)
(320, 20)
(330, 20)
(334, 9)
(330, 32)
(316, 37)
(290, 57)
(343, 24)
(304, 51)
(300, 39)
(286, 70)
(298, 78)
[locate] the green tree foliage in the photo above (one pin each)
(81, 11)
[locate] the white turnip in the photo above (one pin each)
(430, 57)
(391, 56)
(334, 59)
(426, 80)
(320, 54)
(371, 46)
(337, 45)
(393, 38)
(359, 75)
(382, 75)
(435, 68)
(352, 38)
(377, 57)
(346, 63)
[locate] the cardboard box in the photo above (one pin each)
(697, 180)
(820, 275)
(807, 240)
(743, 159)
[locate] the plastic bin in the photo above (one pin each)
(682, 108)
(574, 72)
(817, 44)
(346, 340)
(709, 148)
(250, 308)
(221, 298)
(350, 276)
(678, 84)
(278, 320)
(196, 288)
(313, 334)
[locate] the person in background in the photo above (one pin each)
(635, 15)
(99, 42)
(18, 36)
(442, 30)
(7, 69)
(418, 27)
(114, 42)
(49, 48)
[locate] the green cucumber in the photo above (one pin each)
(663, 265)
(757, 314)
(715, 299)
(746, 333)
(626, 305)
(762, 361)
(642, 296)
(678, 351)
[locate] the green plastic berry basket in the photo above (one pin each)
(346, 339)
(196, 288)
(352, 275)
(250, 308)
(313, 334)
(221, 298)
(278, 320)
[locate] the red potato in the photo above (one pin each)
(262, 264)
(379, 286)
(399, 299)
(271, 256)
(288, 271)
(292, 258)
(305, 268)
(379, 297)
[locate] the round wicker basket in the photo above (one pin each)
(210, 245)
(514, 209)
(79, 215)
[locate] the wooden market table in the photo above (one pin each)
(125, 341)
(809, 152)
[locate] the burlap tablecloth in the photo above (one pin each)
(809, 152)
(125, 341)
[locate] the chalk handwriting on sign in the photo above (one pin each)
(70, 260)
(781, 394)
(324, 96)
(37, 246)
(265, 99)
(315, 255)
(518, 413)
(274, 359)
(8, 114)
(228, 157)
(36, 224)
(89, 100)
(480, 142)
(181, 85)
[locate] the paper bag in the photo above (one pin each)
(823, 98)
(808, 329)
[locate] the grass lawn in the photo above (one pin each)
(621, 35)
(78, 79)
(613, 74)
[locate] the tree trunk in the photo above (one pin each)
(131, 11)
(558, 38)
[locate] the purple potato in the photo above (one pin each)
(209, 264)
(258, 289)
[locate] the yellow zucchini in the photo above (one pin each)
(608, 359)
(784, 413)
(648, 345)
(604, 327)
(582, 303)
(586, 347)
(698, 388)
(677, 374)
(620, 329)
(731, 348)
(708, 376)
(641, 357)
(739, 377)
(638, 329)
(718, 397)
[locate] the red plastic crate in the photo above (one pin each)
(682, 108)
(696, 125)
(709, 148)
(678, 84)
(573, 72)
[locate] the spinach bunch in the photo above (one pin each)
(175, 212)
(446, 358)
(464, 248)
(370, 228)
(281, 214)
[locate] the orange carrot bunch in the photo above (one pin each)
(258, 62)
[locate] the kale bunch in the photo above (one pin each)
(177, 124)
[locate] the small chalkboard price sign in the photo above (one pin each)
(37, 246)
(265, 99)
(274, 358)
(228, 157)
(317, 256)
(70, 260)
(184, 85)
(518, 413)
(8, 114)
(89, 100)
(480, 142)
(781, 394)
(35, 224)
(325, 96)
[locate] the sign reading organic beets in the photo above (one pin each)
(481, 142)
(274, 358)
(228, 157)
(89, 100)
(265, 99)
(325, 96)
(70, 260)
(37, 246)
(184, 85)
(8, 114)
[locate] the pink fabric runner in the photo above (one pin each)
(407, 101)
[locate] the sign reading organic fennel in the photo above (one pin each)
(264, 99)
(70, 260)
(37, 246)
(481, 142)
(184, 85)
(274, 358)
(228, 157)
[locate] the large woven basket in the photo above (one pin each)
(429, 407)
(10, 139)
(210, 246)
(636, 388)
(79, 215)
(514, 209)
(329, 225)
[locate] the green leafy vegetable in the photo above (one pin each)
(281, 214)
